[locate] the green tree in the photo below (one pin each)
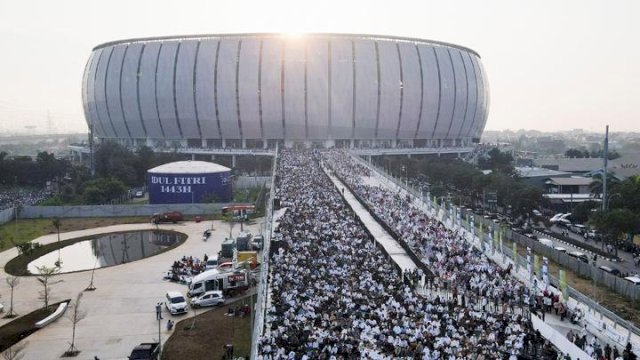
(614, 224)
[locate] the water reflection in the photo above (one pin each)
(106, 250)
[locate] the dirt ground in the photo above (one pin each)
(208, 337)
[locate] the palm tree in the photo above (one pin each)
(597, 184)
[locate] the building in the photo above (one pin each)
(183, 182)
(538, 177)
(253, 91)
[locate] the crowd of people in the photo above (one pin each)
(467, 272)
(22, 197)
(184, 269)
(335, 295)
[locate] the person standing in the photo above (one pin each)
(158, 311)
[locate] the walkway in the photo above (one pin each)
(397, 253)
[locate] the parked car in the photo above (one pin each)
(593, 235)
(257, 242)
(610, 270)
(170, 216)
(139, 194)
(564, 223)
(536, 212)
(634, 279)
(210, 298)
(176, 303)
(578, 229)
(556, 217)
(145, 351)
(579, 255)
(560, 248)
(212, 262)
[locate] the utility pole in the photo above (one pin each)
(604, 175)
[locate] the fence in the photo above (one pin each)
(7, 215)
(243, 182)
(620, 285)
(263, 286)
(81, 211)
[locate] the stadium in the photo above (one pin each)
(253, 91)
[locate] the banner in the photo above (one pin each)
(500, 241)
(529, 268)
(536, 265)
(545, 272)
(481, 236)
(563, 285)
(515, 256)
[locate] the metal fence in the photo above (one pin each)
(7, 215)
(618, 284)
(83, 211)
(263, 286)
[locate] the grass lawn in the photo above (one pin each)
(25, 230)
(211, 332)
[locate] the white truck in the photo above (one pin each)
(230, 282)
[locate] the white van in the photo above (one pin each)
(212, 263)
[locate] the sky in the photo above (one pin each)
(552, 65)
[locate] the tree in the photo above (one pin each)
(75, 316)
(46, 279)
(12, 281)
(576, 153)
(497, 161)
(14, 352)
(615, 223)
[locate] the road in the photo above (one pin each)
(626, 266)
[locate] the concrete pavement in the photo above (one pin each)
(121, 312)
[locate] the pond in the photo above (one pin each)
(107, 250)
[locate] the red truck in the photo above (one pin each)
(169, 216)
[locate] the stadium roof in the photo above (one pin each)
(189, 167)
(346, 35)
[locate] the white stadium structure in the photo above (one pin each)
(251, 91)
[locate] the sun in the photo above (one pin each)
(293, 34)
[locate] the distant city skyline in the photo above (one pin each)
(552, 66)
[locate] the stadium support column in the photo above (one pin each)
(233, 161)
(193, 157)
(244, 143)
(203, 143)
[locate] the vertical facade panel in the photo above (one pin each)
(447, 93)
(147, 91)
(248, 88)
(128, 87)
(341, 89)
(472, 97)
(431, 92)
(205, 78)
(185, 71)
(114, 106)
(294, 89)
(389, 90)
(485, 99)
(460, 106)
(85, 102)
(480, 117)
(411, 91)
(92, 119)
(272, 88)
(227, 107)
(100, 94)
(366, 88)
(317, 88)
(164, 90)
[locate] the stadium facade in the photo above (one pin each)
(256, 90)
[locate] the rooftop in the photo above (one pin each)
(188, 167)
(529, 172)
(574, 180)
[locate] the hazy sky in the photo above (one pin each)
(552, 65)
